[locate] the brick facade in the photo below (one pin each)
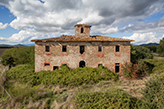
(108, 56)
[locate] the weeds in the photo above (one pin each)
(115, 98)
(134, 71)
(153, 93)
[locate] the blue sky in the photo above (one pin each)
(24, 20)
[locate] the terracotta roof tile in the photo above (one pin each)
(65, 38)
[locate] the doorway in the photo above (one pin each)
(82, 64)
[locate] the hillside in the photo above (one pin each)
(6, 45)
(150, 44)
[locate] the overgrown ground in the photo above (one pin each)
(63, 97)
(57, 97)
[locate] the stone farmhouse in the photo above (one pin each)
(81, 50)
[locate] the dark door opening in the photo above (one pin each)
(82, 49)
(55, 67)
(82, 64)
(117, 67)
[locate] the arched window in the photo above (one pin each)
(82, 30)
(82, 64)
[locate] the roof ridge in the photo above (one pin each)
(73, 38)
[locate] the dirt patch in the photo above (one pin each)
(155, 57)
(133, 87)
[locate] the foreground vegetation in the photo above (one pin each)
(115, 98)
(82, 88)
(64, 76)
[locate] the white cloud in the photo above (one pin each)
(55, 17)
(3, 26)
(25, 36)
(143, 38)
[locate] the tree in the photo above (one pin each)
(153, 48)
(20, 55)
(8, 60)
(160, 48)
(139, 52)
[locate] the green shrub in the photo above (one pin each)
(20, 73)
(157, 63)
(114, 99)
(64, 76)
(134, 71)
(153, 93)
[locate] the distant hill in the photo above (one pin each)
(29, 44)
(150, 44)
(6, 45)
(18, 45)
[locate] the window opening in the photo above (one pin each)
(64, 64)
(117, 67)
(64, 48)
(55, 67)
(117, 48)
(99, 65)
(82, 30)
(100, 48)
(47, 49)
(46, 64)
(82, 64)
(82, 49)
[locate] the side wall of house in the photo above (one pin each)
(55, 57)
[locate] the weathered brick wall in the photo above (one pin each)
(86, 31)
(108, 57)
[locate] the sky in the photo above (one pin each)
(24, 20)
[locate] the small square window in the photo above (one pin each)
(64, 48)
(47, 48)
(117, 48)
(55, 67)
(99, 65)
(100, 48)
(46, 64)
(63, 65)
